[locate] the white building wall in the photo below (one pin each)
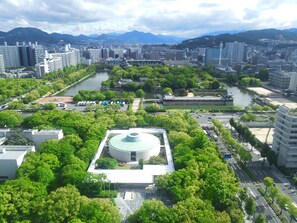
(2, 65)
(285, 137)
(95, 55)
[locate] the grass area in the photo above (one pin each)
(126, 167)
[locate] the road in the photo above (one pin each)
(262, 205)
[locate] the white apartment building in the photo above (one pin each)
(56, 61)
(285, 137)
(11, 56)
(2, 65)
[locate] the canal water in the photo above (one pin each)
(241, 96)
(91, 83)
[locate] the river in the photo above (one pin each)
(91, 83)
(241, 96)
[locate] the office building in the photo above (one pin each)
(280, 79)
(95, 55)
(2, 65)
(236, 52)
(27, 56)
(285, 137)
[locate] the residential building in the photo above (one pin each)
(285, 137)
(11, 56)
(11, 157)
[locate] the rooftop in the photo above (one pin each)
(144, 176)
(134, 141)
(13, 152)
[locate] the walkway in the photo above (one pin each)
(135, 104)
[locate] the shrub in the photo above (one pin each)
(155, 160)
(106, 163)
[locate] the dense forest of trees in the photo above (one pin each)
(53, 185)
(30, 89)
(161, 77)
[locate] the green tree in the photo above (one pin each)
(250, 206)
(194, 210)
(153, 211)
(260, 219)
(10, 119)
(49, 106)
(98, 210)
(292, 211)
(283, 201)
(61, 205)
(106, 163)
(273, 192)
(268, 182)
(140, 93)
(24, 198)
(167, 90)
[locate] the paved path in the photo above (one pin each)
(135, 104)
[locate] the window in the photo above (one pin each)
(133, 156)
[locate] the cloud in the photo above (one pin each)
(185, 18)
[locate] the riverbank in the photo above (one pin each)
(58, 92)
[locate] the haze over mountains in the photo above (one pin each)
(136, 37)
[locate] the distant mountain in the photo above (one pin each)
(222, 32)
(134, 37)
(249, 37)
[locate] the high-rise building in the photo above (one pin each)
(11, 56)
(27, 56)
(236, 52)
(216, 56)
(2, 65)
(70, 57)
(95, 55)
(39, 52)
(285, 137)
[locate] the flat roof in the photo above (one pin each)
(12, 155)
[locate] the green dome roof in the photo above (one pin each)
(134, 141)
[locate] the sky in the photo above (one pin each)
(183, 18)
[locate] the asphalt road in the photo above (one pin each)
(262, 205)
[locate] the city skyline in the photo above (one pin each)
(179, 18)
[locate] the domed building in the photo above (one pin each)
(134, 146)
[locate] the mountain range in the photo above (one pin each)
(249, 37)
(27, 34)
